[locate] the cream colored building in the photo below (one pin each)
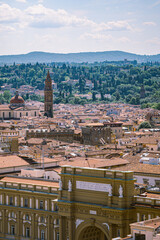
(146, 230)
(86, 204)
(17, 109)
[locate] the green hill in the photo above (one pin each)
(43, 57)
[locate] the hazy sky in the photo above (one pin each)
(79, 25)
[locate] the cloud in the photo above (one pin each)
(123, 39)
(49, 18)
(22, 1)
(154, 41)
(104, 37)
(115, 26)
(149, 23)
(8, 14)
(156, 3)
(97, 36)
(4, 28)
(38, 16)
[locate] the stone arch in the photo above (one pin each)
(92, 223)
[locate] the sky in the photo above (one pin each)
(67, 26)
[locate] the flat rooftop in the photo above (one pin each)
(30, 181)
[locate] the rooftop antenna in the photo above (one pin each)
(86, 160)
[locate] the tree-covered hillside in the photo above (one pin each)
(91, 57)
(106, 82)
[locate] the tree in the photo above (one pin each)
(94, 96)
(7, 96)
(144, 124)
(117, 96)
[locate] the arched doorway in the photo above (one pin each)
(91, 229)
(92, 233)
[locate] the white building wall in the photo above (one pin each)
(151, 179)
(148, 234)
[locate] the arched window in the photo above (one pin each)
(41, 205)
(27, 232)
(12, 230)
(27, 217)
(42, 235)
(42, 219)
(11, 201)
(26, 202)
(12, 214)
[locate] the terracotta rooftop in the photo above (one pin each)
(94, 162)
(30, 181)
(12, 161)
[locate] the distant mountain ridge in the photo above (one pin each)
(45, 57)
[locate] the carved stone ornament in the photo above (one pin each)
(110, 191)
(120, 192)
(106, 224)
(69, 186)
(60, 184)
(78, 222)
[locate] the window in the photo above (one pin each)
(26, 202)
(12, 230)
(11, 201)
(157, 182)
(26, 113)
(12, 215)
(41, 205)
(20, 115)
(145, 181)
(42, 235)
(57, 235)
(27, 217)
(3, 115)
(42, 219)
(27, 232)
(118, 232)
(139, 236)
(9, 114)
(35, 114)
(143, 217)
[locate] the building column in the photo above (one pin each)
(49, 234)
(71, 228)
(33, 226)
(4, 223)
(110, 230)
(19, 225)
(62, 229)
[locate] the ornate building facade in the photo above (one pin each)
(17, 109)
(86, 204)
(48, 97)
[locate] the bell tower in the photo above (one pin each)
(48, 97)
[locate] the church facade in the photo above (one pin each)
(17, 109)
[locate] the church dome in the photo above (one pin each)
(17, 100)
